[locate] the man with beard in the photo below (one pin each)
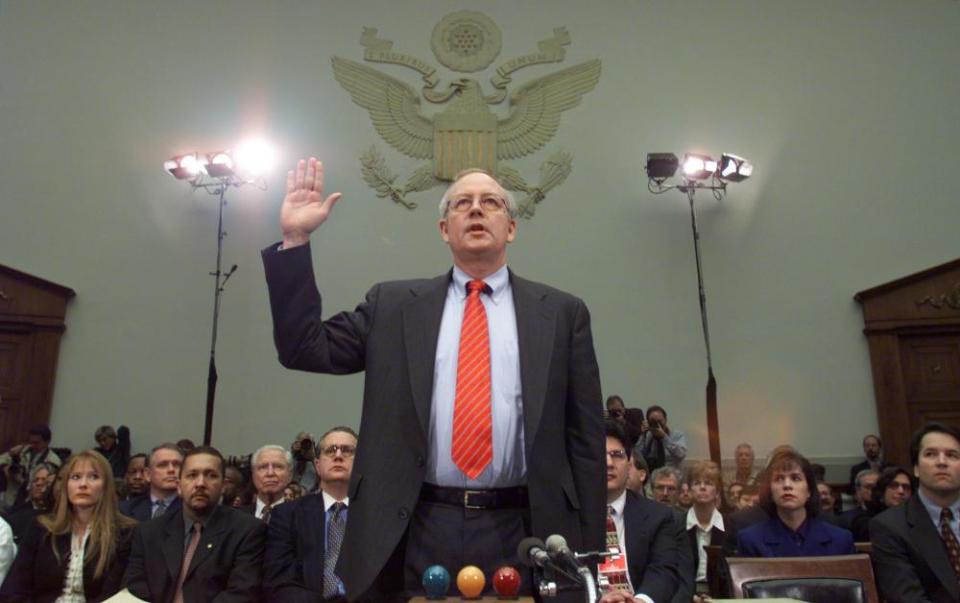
(207, 552)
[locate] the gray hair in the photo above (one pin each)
(863, 473)
(507, 195)
(287, 456)
(666, 471)
(744, 445)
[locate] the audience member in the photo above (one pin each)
(185, 445)
(733, 496)
(8, 549)
(684, 498)
(616, 409)
(873, 459)
(115, 447)
(660, 445)
(749, 497)
(743, 470)
(37, 449)
(666, 485)
(234, 483)
(892, 490)
(637, 480)
(304, 454)
(827, 500)
(39, 500)
(271, 467)
(163, 471)
(135, 478)
(19, 462)
(228, 543)
(789, 496)
(79, 551)
(864, 483)
(633, 424)
(915, 543)
(293, 491)
(819, 472)
(641, 533)
(704, 523)
(305, 536)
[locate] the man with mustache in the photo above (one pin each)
(207, 552)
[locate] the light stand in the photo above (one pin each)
(662, 166)
(214, 175)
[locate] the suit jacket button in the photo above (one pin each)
(403, 513)
(421, 461)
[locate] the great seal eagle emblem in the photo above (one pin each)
(466, 132)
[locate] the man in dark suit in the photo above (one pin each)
(873, 459)
(207, 552)
(534, 465)
(912, 541)
(647, 534)
(163, 474)
(299, 564)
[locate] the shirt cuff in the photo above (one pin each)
(643, 598)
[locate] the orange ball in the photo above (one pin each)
(470, 582)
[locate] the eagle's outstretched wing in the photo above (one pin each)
(537, 107)
(393, 105)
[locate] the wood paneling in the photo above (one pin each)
(32, 312)
(912, 326)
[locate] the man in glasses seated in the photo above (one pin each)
(303, 542)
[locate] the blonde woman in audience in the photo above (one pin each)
(78, 552)
(704, 522)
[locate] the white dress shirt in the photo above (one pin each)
(618, 504)
(703, 538)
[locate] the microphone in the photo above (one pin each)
(532, 554)
(558, 550)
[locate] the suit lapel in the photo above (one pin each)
(931, 547)
(173, 544)
(535, 332)
(634, 521)
(211, 539)
(421, 327)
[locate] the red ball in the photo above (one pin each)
(506, 581)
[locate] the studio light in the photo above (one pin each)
(734, 169)
(183, 167)
(255, 157)
(661, 166)
(220, 165)
(698, 167)
(215, 172)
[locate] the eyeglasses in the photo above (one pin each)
(617, 455)
(899, 486)
(488, 203)
(345, 449)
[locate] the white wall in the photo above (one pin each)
(850, 111)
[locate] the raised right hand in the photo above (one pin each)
(304, 209)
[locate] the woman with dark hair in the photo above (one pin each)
(788, 493)
(78, 552)
(894, 488)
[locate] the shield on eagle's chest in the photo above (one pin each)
(464, 140)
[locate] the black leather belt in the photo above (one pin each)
(496, 498)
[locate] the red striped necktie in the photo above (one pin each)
(472, 447)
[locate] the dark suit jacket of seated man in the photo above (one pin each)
(296, 544)
(653, 554)
(393, 337)
(226, 567)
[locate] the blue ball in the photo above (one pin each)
(436, 582)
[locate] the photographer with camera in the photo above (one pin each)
(659, 444)
(304, 453)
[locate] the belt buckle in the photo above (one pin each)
(466, 500)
